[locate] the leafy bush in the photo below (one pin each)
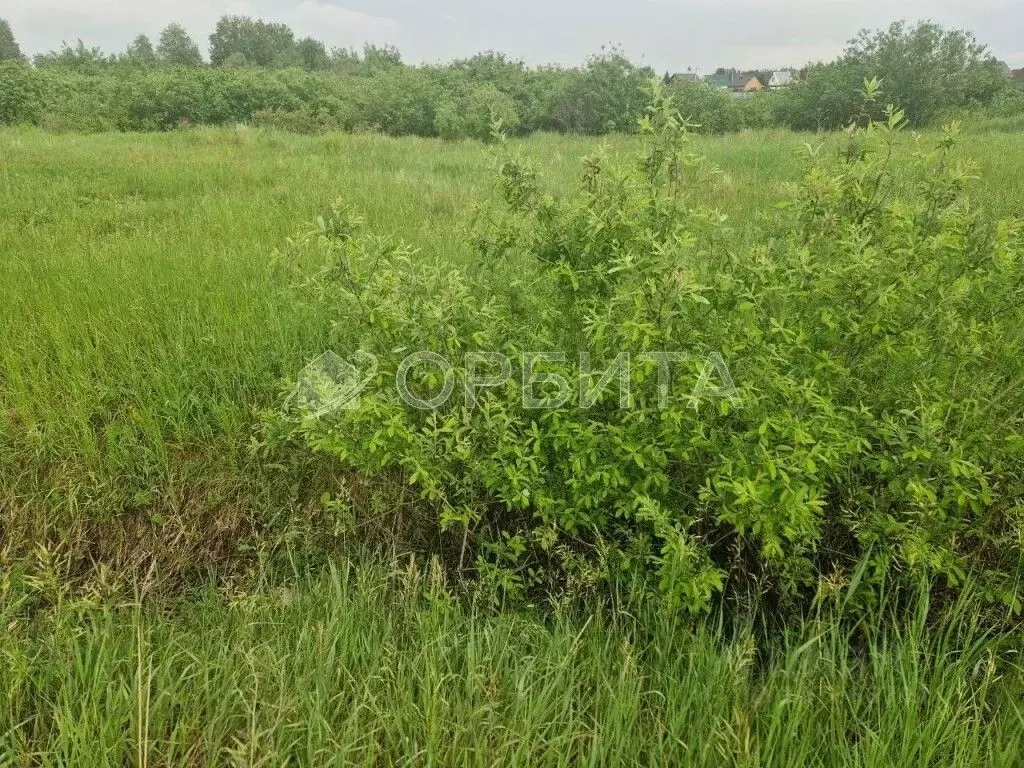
(874, 337)
(533, 92)
(927, 69)
(296, 121)
(473, 115)
(396, 101)
(486, 105)
(20, 98)
(449, 122)
(607, 96)
(825, 99)
(708, 109)
(1009, 102)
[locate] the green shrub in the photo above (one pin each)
(1009, 102)
(874, 338)
(486, 105)
(449, 121)
(825, 99)
(20, 100)
(296, 121)
(73, 102)
(708, 109)
(397, 101)
(473, 114)
(606, 96)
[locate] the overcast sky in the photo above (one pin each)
(667, 34)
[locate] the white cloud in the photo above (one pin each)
(335, 25)
(794, 54)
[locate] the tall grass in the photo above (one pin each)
(369, 665)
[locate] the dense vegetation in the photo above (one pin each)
(366, 666)
(873, 431)
(259, 74)
(848, 531)
(114, 454)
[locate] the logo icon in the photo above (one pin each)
(331, 383)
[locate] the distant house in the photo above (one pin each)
(737, 82)
(721, 80)
(750, 83)
(1018, 74)
(781, 78)
(684, 77)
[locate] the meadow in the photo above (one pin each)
(143, 328)
(161, 603)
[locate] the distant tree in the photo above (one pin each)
(607, 96)
(827, 97)
(377, 58)
(236, 60)
(484, 104)
(177, 48)
(77, 57)
(288, 58)
(511, 77)
(263, 44)
(709, 109)
(20, 94)
(926, 68)
(311, 54)
(345, 61)
(374, 59)
(9, 49)
(141, 52)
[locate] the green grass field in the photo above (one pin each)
(138, 309)
(143, 328)
(379, 667)
(142, 331)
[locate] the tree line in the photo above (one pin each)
(258, 72)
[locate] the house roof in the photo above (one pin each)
(690, 77)
(747, 82)
(721, 79)
(736, 81)
(741, 80)
(781, 78)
